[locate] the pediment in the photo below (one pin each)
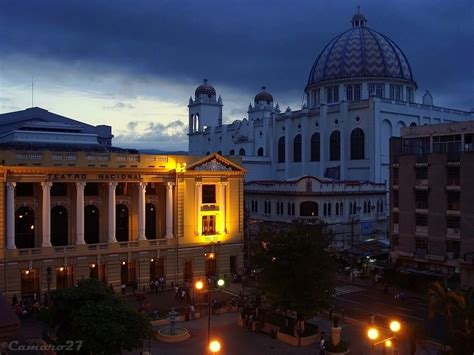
(215, 162)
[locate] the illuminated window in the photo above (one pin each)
(208, 225)
(208, 193)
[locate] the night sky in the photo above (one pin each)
(134, 64)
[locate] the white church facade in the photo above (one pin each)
(359, 93)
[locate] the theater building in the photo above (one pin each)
(120, 217)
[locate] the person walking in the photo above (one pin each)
(322, 344)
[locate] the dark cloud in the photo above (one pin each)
(240, 44)
(155, 135)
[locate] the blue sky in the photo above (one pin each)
(134, 64)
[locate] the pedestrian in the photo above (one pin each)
(322, 344)
(157, 283)
(14, 300)
(152, 286)
(163, 282)
(183, 295)
(122, 287)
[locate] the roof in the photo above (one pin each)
(323, 181)
(360, 52)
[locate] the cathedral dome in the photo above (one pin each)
(263, 96)
(205, 89)
(361, 53)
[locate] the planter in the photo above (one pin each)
(295, 341)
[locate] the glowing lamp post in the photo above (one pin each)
(214, 346)
(373, 335)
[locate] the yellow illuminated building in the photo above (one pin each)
(122, 218)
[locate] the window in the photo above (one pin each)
(421, 219)
(232, 152)
(281, 150)
(208, 193)
(260, 152)
(395, 218)
(332, 94)
(454, 200)
(59, 189)
(395, 240)
(309, 209)
(92, 189)
(242, 152)
(337, 209)
(267, 207)
(421, 199)
(396, 92)
(297, 149)
(341, 209)
(416, 146)
(357, 144)
(421, 173)
(316, 100)
(395, 176)
(453, 249)
(395, 198)
(335, 146)
(451, 145)
(453, 222)
(377, 90)
(208, 225)
(453, 176)
(329, 208)
(421, 243)
(410, 95)
(315, 147)
(353, 92)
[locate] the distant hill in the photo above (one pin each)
(162, 152)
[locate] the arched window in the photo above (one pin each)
(357, 144)
(281, 150)
(329, 208)
(309, 209)
(413, 124)
(91, 224)
(196, 122)
(121, 223)
(242, 152)
(325, 209)
(335, 146)
(341, 209)
(260, 152)
(315, 147)
(59, 226)
(232, 152)
(337, 209)
(297, 149)
(25, 227)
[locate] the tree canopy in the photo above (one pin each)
(92, 313)
(295, 270)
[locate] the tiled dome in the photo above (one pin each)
(263, 96)
(360, 53)
(205, 89)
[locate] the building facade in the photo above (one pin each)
(360, 92)
(354, 211)
(119, 217)
(432, 214)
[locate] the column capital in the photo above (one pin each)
(223, 183)
(198, 183)
(11, 186)
(81, 185)
(112, 185)
(170, 185)
(142, 185)
(46, 185)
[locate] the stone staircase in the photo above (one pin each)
(235, 289)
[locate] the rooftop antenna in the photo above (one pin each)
(32, 91)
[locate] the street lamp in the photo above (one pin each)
(199, 285)
(373, 334)
(214, 346)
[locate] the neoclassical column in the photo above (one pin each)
(169, 210)
(141, 210)
(11, 215)
(46, 213)
(222, 204)
(112, 227)
(80, 212)
(198, 203)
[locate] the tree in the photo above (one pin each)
(92, 313)
(295, 270)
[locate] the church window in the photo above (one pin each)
(208, 193)
(260, 152)
(332, 94)
(315, 147)
(232, 152)
(353, 92)
(335, 146)
(377, 90)
(316, 100)
(396, 92)
(357, 144)
(410, 95)
(281, 150)
(297, 149)
(242, 152)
